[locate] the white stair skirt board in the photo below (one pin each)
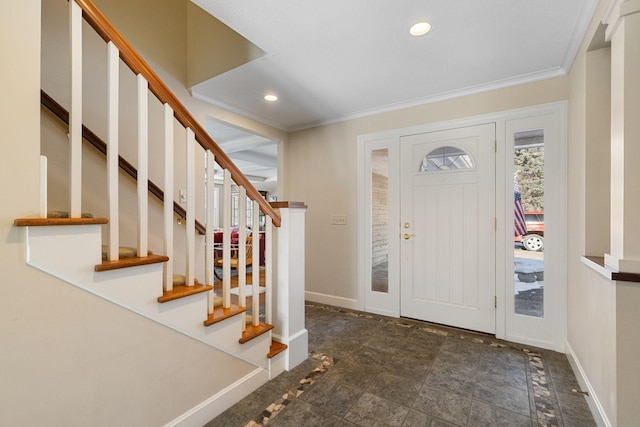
(249, 290)
(71, 252)
(226, 335)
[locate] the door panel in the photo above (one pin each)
(448, 211)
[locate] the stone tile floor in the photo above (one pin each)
(369, 370)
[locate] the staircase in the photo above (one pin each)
(70, 249)
(86, 252)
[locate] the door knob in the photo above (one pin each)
(407, 236)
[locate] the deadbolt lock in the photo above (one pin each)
(407, 225)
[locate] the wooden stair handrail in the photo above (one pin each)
(93, 139)
(134, 61)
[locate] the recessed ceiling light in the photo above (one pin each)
(270, 98)
(420, 28)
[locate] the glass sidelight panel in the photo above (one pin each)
(528, 233)
(380, 220)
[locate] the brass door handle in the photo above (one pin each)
(407, 236)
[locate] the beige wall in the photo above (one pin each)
(156, 27)
(162, 38)
(602, 314)
(69, 358)
(597, 151)
(591, 299)
(214, 48)
(322, 171)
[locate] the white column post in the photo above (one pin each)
(289, 327)
(623, 30)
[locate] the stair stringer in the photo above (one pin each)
(71, 252)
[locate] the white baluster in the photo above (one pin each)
(143, 166)
(43, 186)
(209, 237)
(226, 240)
(255, 264)
(75, 110)
(113, 86)
(168, 197)
(191, 207)
(268, 261)
(242, 251)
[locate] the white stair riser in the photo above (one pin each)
(277, 364)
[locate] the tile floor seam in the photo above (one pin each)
(502, 409)
(530, 392)
(267, 415)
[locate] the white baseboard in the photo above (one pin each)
(595, 406)
(337, 301)
(221, 401)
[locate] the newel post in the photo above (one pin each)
(289, 322)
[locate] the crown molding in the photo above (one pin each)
(615, 13)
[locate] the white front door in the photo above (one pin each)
(448, 227)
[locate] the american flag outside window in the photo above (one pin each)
(519, 226)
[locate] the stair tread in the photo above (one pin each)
(276, 348)
(32, 222)
(182, 291)
(130, 262)
(253, 331)
(221, 313)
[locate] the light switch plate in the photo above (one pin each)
(338, 220)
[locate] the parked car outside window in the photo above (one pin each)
(533, 240)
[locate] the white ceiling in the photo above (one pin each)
(255, 156)
(333, 60)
